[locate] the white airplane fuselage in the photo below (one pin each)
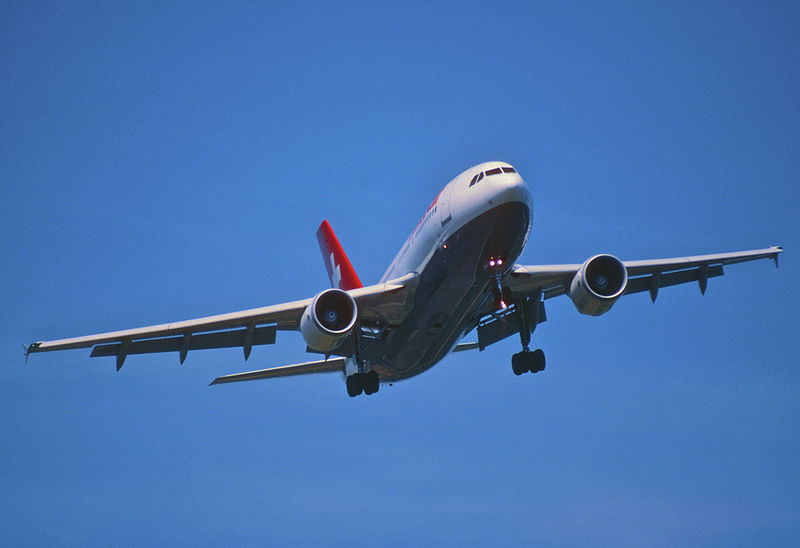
(465, 227)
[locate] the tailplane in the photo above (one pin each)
(340, 271)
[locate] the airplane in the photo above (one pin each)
(456, 273)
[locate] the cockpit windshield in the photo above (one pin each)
(495, 171)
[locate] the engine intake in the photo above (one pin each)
(598, 284)
(328, 320)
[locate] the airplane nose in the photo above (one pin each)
(514, 189)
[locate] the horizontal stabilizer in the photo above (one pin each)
(461, 347)
(322, 366)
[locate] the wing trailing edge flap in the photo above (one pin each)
(322, 366)
(651, 275)
(657, 280)
(245, 338)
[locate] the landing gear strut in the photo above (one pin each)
(368, 383)
(501, 296)
(525, 361)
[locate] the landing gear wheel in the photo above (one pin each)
(368, 383)
(519, 363)
(371, 383)
(354, 385)
(525, 361)
(537, 361)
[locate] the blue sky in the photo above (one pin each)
(165, 161)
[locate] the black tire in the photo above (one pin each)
(537, 360)
(519, 363)
(371, 383)
(354, 385)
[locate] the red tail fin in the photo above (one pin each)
(340, 271)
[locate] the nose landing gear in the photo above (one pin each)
(501, 296)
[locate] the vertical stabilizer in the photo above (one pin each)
(340, 271)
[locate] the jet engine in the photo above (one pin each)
(328, 320)
(598, 284)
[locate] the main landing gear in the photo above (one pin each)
(525, 361)
(368, 383)
(359, 382)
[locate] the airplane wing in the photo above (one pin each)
(544, 282)
(649, 275)
(381, 304)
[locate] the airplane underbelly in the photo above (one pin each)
(452, 286)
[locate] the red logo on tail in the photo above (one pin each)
(340, 271)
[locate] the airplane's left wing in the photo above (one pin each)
(648, 275)
(383, 304)
(537, 283)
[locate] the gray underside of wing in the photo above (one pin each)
(637, 268)
(651, 275)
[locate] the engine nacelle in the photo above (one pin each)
(328, 320)
(598, 284)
